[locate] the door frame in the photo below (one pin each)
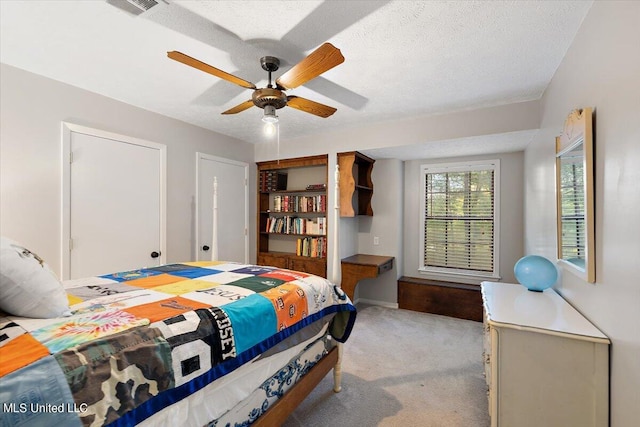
(205, 156)
(67, 130)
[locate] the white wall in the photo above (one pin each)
(31, 110)
(386, 224)
(511, 214)
(600, 70)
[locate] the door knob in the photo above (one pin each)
(205, 248)
(155, 254)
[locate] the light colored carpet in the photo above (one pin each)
(403, 368)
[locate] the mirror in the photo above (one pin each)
(575, 195)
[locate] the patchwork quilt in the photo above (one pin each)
(138, 341)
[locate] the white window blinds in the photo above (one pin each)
(573, 208)
(459, 218)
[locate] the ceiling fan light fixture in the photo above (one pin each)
(270, 114)
(270, 129)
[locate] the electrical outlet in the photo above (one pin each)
(376, 240)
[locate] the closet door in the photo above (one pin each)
(115, 203)
(233, 214)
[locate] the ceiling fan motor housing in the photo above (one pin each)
(269, 96)
(270, 63)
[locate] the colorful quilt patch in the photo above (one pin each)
(170, 268)
(75, 330)
(86, 281)
(118, 301)
(113, 375)
(258, 283)
(73, 300)
(253, 320)
(219, 295)
(290, 303)
(255, 270)
(95, 291)
(183, 287)
(227, 266)
(222, 278)
(20, 352)
(154, 281)
(319, 294)
(36, 390)
(194, 273)
(286, 275)
(165, 308)
(131, 275)
(204, 263)
(199, 340)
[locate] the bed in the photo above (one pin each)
(200, 343)
(195, 343)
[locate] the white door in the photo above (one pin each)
(233, 214)
(115, 203)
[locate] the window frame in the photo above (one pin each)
(467, 166)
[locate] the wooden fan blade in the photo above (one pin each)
(192, 62)
(240, 107)
(310, 107)
(320, 60)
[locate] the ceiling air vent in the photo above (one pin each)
(136, 7)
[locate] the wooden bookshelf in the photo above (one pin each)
(292, 206)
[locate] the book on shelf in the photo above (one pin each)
(272, 180)
(314, 247)
(317, 187)
(296, 225)
(299, 203)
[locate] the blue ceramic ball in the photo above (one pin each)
(535, 273)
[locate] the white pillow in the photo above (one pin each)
(28, 288)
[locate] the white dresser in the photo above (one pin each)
(546, 365)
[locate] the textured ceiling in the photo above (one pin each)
(403, 58)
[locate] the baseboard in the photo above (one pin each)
(376, 302)
(451, 299)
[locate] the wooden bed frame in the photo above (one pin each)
(280, 411)
(283, 407)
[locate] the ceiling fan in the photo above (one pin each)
(273, 98)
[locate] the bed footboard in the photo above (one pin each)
(278, 413)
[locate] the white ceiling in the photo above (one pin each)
(403, 58)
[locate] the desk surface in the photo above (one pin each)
(362, 259)
(361, 266)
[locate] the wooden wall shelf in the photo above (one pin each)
(356, 187)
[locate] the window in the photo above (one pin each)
(459, 218)
(572, 207)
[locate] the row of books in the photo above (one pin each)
(315, 247)
(297, 203)
(296, 225)
(272, 181)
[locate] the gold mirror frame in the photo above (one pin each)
(575, 195)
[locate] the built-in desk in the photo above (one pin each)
(361, 266)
